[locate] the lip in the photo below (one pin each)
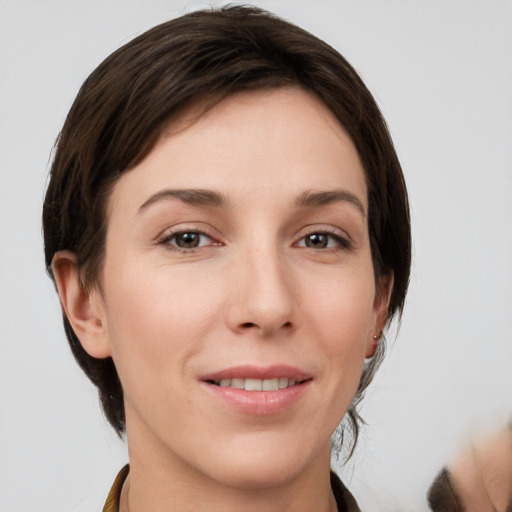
(258, 403)
(259, 372)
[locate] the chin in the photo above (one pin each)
(263, 476)
(267, 465)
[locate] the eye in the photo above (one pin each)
(322, 240)
(187, 240)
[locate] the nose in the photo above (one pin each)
(262, 298)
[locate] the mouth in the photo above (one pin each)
(255, 384)
(257, 390)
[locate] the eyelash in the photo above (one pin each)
(166, 239)
(341, 242)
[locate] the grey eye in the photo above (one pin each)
(189, 240)
(317, 241)
(324, 240)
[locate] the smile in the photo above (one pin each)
(256, 390)
(252, 384)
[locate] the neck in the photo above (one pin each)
(135, 499)
(161, 482)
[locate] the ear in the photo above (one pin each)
(84, 309)
(380, 308)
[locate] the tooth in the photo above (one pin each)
(257, 384)
(253, 384)
(238, 383)
(283, 382)
(270, 385)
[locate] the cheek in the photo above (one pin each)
(342, 320)
(158, 320)
(343, 309)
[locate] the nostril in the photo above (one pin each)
(248, 325)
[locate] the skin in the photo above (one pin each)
(254, 292)
(482, 474)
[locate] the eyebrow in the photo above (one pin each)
(310, 198)
(203, 197)
(190, 196)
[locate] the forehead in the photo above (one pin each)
(281, 140)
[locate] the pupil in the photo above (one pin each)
(187, 240)
(316, 241)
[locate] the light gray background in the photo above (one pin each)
(441, 71)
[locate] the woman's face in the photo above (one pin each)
(238, 258)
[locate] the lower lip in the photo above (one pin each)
(259, 403)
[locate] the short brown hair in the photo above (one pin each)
(125, 103)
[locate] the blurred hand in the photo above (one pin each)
(479, 479)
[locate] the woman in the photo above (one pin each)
(227, 226)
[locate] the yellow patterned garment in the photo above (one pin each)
(112, 503)
(345, 500)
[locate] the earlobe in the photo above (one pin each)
(372, 345)
(82, 308)
(381, 307)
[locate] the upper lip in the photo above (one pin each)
(258, 372)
